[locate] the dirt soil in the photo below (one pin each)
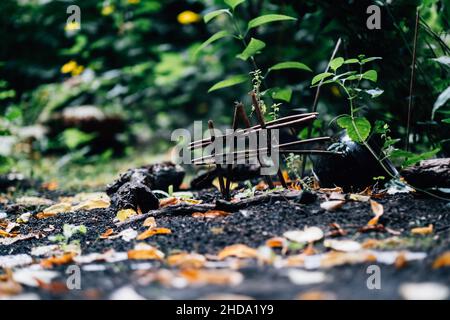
(252, 227)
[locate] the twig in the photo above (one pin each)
(316, 101)
(411, 84)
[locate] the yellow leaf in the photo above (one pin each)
(442, 261)
(150, 222)
(210, 214)
(151, 232)
(145, 254)
(188, 17)
(186, 260)
(238, 250)
(216, 277)
(124, 214)
(91, 204)
(423, 230)
(58, 208)
(378, 211)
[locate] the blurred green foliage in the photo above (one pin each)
(141, 59)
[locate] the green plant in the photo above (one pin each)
(69, 231)
(242, 31)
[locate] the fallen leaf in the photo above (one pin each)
(310, 234)
(442, 261)
(337, 230)
(301, 277)
(152, 231)
(343, 245)
(57, 260)
(423, 230)
(50, 186)
(29, 276)
(124, 214)
(5, 234)
(9, 241)
(168, 202)
(33, 201)
(186, 260)
(52, 287)
(126, 235)
(215, 277)
(150, 222)
(261, 186)
(55, 209)
(238, 250)
(337, 196)
(359, 197)
(92, 204)
(42, 215)
(330, 190)
(332, 205)
(126, 293)
(13, 261)
(276, 242)
(49, 250)
(424, 291)
(107, 233)
(316, 295)
(400, 261)
(145, 252)
(24, 218)
(192, 201)
(377, 210)
(210, 214)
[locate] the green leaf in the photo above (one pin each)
(370, 75)
(351, 61)
(213, 14)
(363, 61)
(231, 81)
(216, 36)
(446, 120)
(440, 101)
(290, 65)
(398, 153)
(336, 63)
(420, 157)
(252, 48)
(358, 129)
(320, 77)
(284, 94)
(234, 3)
(267, 19)
(374, 92)
(73, 137)
(445, 60)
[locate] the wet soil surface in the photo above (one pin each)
(252, 227)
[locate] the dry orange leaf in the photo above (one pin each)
(145, 254)
(261, 186)
(423, 230)
(377, 210)
(276, 242)
(442, 261)
(58, 260)
(152, 231)
(150, 222)
(400, 261)
(43, 215)
(186, 260)
(210, 214)
(238, 250)
(217, 277)
(168, 202)
(107, 233)
(5, 234)
(50, 186)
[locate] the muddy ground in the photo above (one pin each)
(252, 227)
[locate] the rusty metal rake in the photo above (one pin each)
(283, 148)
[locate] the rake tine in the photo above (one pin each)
(218, 166)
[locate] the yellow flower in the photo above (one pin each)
(107, 10)
(188, 17)
(69, 67)
(77, 71)
(71, 26)
(134, 1)
(73, 68)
